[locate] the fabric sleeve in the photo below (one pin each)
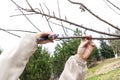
(74, 69)
(13, 62)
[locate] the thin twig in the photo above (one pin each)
(46, 19)
(60, 17)
(47, 8)
(111, 8)
(20, 30)
(10, 32)
(22, 14)
(61, 25)
(30, 21)
(113, 4)
(29, 10)
(30, 6)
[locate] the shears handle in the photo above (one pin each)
(48, 37)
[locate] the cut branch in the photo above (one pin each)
(94, 38)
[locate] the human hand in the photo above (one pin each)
(85, 48)
(44, 35)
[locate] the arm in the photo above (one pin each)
(75, 66)
(13, 62)
(74, 69)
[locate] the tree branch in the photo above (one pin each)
(10, 32)
(20, 30)
(113, 4)
(94, 14)
(94, 38)
(111, 8)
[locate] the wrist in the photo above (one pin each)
(81, 57)
(84, 58)
(80, 60)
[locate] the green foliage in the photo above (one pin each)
(38, 67)
(95, 54)
(0, 51)
(105, 50)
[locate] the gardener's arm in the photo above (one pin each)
(75, 66)
(13, 62)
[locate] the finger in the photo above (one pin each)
(92, 44)
(84, 38)
(87, 37)
(84, 44)
(88, 51)
(45, 41)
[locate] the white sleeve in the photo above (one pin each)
(13, 62)
(74, 69)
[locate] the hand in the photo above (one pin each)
(42, 34)
(85, 48)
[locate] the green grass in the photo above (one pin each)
(111, 75)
